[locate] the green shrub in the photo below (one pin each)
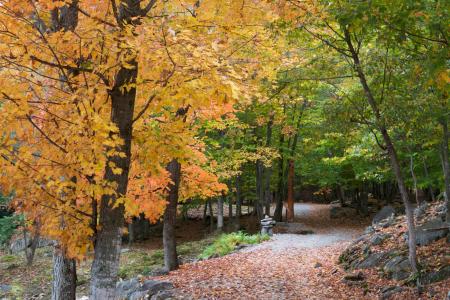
(7, 227)
(226, 243)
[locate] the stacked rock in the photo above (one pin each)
(267, 224)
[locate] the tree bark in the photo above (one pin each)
(238, 198)
(170, 216)
(430, 187)
(211, 215)
(259, 189)
(445, 163)
(278, 215)
(413, 175)
(131, 232)
(395, 164)
(205, 210)
(220, 212)
(109, 237)
(64, 276)
(268, 170)
(290, 196)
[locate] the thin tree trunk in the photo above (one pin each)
(268, 170)
(170, 216)
(131, 232)
(413, 175)
(446, 165)
(31, 242)
(205, 210)
(290, 197)
(64, 276)
(430, 187)
(278, 215)
(238, 198)
(211, 215)
(230, 209)
(363, 200)
(220, 212)
(395, 164)
(259, 189)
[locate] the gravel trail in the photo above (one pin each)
(314, 217)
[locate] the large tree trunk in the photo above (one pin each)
(445, 163)
(64, 276)
(290, 197)
(109, 237)
(170, 216)
(395, 164)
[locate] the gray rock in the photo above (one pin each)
(154, 286)
(398, 268)
(436, 276)
(133, 289)
(378, 238)
(372, 261)
(369, 229)
(20, 244)
(138, 295)
(431, 231)
(442, 209)
(125, 288)
(384, 213)
(389, 291)
(162, 295)
(419, 211)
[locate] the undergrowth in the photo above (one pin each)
(226, 243)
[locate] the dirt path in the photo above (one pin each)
(289, 266)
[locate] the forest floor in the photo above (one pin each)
(289, 266)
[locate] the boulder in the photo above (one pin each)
(378, 238)
(419, 212)
(431, 231)
(372, 261)
(19, 243)
(436, 276)
(125, 288)
(337, 212)
(389, 291)
(369, 230)
(162, 295)
(398, 268)
(384, 213)
(133, 289)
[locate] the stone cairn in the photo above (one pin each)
(267, 224)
